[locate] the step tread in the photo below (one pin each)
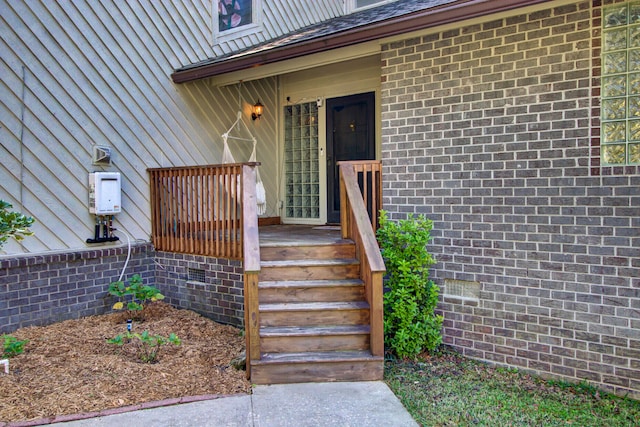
(311, 250)
(310, 331)
(309, 262)
(288, 244)
(314, 306)
(317, 357)
(326, 283)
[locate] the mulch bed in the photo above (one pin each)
(69, 368)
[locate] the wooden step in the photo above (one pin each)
(294, 339)
(309, 270)
(311, 291)
(314, 314)
(344, 250)
(316, 366)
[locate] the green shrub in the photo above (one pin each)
(13, 224)
(410, 323)
(149, 345)
(138, 292)
(11, 346)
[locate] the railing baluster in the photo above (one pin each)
(234, 217)
(225, 211)
(216, 210)
(188, 207)
(192, 209)
(173, 213)
(202, 226)
(182, 207)
(207, 186)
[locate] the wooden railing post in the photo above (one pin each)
(356, 225)
(251, 266)
(344, 211)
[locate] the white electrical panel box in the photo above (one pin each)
(104, 193)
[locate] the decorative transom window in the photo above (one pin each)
(234, 13)
(620, 143)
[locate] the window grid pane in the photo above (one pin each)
(634, 153)
(621, 84)
(302, 177)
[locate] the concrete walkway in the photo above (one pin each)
(313, 404)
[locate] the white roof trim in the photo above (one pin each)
(296, 64)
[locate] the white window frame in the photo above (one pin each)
(352, 5)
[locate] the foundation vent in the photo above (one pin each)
(196, 275)
(463, 289)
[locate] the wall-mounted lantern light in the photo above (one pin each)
(258, 109)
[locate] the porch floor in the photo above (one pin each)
(298, 235)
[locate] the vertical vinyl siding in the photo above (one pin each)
(100, 74)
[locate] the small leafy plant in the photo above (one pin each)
(139, 294)
(12, 346)
(148, 345)
(410, 323)
(13, 224)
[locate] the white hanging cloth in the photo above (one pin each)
(227, 157)
(261, 194)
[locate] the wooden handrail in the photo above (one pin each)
(357, 225)
(369, 177)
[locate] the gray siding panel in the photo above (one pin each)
(100, 74)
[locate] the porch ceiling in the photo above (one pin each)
(373, 24)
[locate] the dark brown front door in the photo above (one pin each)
(350, 136)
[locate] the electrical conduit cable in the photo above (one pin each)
(126, 262)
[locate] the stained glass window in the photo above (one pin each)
(620, 115)
(233, 14)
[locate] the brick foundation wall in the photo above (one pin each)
(43, 289)
(210, 286)
(487, 129)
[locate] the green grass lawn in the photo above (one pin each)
(449, 390)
